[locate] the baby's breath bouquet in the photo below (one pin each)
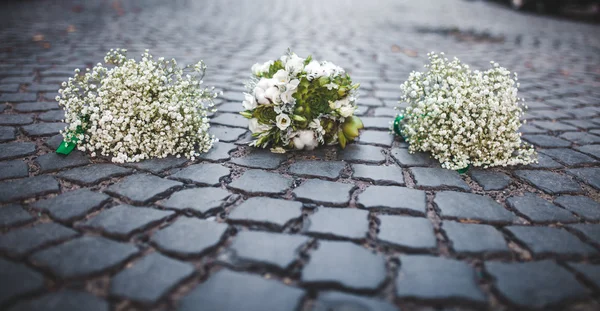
(463, 117)
(137, 110)
(297, 103)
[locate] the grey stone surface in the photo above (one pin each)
(16, 149)
(261, 182)
(426, 177)
(94, 173)
(547, 283)
(589, 272)
(583, 206)
(467, 206)
(227, 134)
(83, 256)
(590, 176)
(150, 278)
(338, 301)
(29, 187)
(266, 211)
(324, 192)
(233, 291)
(13, 169)
(219, 152)
(362, 154)
(547, 240)
(52, 116)
(53, 161)
(63, 300)
(593, 150)
(376, 123)
(157, 165)
(549, 182)
(199, 200)
(382, 138)
(347, 223)
(544, 162)
(35, 106)
(16, 279)
(568, 156)
(546, 141)
(325, 169)
(15, 119)
(408, 232)
(22, 241)
(73, 204)
(539, 210)
(332, 260)
(581, 138)
(142, 188)
(590, 231)
(204, 174)
(7, 133)
(428, 277)
(474, 238)
(13, 215)
(391, 198)
(124, 220)
(379, 175)
(230, 119)
(265, 248)
(259, 158)
(43, 129)
(406, 159)
(490, 180)
(175, 239)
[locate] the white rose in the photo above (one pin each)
(281, 76)
(347, 111)
(256, 127)
(313, 70)
(249, 102)
(294, 64)
(283, 121)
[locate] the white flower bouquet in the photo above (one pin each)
(137, 110)
(297, 103)
(462, 117)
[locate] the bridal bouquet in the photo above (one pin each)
(137, 110)
(463, 117)
(297, 103)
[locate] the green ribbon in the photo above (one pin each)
(67, 147)
(397, 121)
(464, 169)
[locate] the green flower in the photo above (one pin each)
(265, 114)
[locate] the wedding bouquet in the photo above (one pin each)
(137, 110)
(297, 103)
(463, 117)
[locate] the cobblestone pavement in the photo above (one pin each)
(371, 227)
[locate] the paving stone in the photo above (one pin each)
(347, 223)
(13, 215)
(233, 291)
(544, 162)
(406, 159)
(231, 107)
(8, 88)
(15, 119)
(52, 116)
(258, 181)
(568, 156)
(175, 239)
(369, 101)
(469, 206)
(581, 138)
(438, 178)
(150, 278)
(279, 250)
(29, 187)
(200, 200)
(227, 134)
(141, 188)
(230, 119)
(549, 240)
(124, 220)
(530, 129)
(7, 133)
(539, 210)
(550, 182)
(593, 150)
(583, 206)
(259, 158)
(554, 126)
(408, 232)
(54, 141)
(325, 169)
(379, 175)
(208, 174)
(331, 262)
(589, 272)
(338, 301)
(44, 129)
(383, 138)
(474, 238)
(546, 141)
(156, 165)
(93, 174)
(266, 210)
(547, 283)
(83, 256)
(53, 161)
(385, 112)
(21, 241)
(17, 97)
(590, 176)
(390, 198)
(428, 277)
(73, 204)
(13, 169)
(324, 192)
(591, 231)
(28, 280)
(63, 300)
(16, 149)
(219, 152)
(42, 88)
(35, 106)
(490, 180)
(362, 153)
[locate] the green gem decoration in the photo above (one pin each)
(397, 121)
(67, 147)
(464, 169)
